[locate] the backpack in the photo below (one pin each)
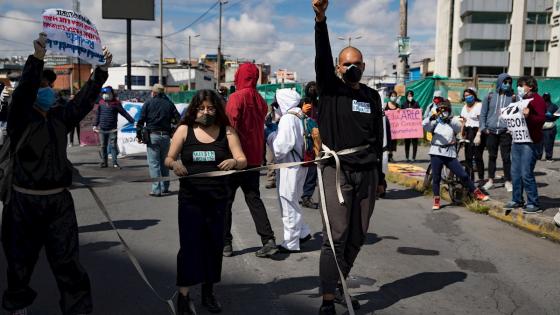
(311, 139)
(7, 165)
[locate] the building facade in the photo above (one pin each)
(481, 37)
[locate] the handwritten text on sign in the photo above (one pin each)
(405, 123)
(72, 34)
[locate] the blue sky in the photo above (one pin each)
(279, 32)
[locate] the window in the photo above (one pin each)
(485, 45)
(490, 70)
(539, 18)
(539, 72)
(541, 45)
(137, 80)
(155, 79)
(487, 18)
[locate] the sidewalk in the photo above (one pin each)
(547, 176)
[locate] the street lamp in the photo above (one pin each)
(189, 82)
(349, 38)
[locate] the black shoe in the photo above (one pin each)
(228, 250)
(103, 165)
(309, 203)
(339, 299)
(327, 310)
(284, 250)
(116, 165)
(270, 185)
(185, 305)
(305, 239)
(267, 250)
(155, 195)
(210, 302)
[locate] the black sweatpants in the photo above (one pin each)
(29, 223)
(201, 237)
(414, 143)
(494, 142)
(249, 183)
(349, 222)
(475, 152)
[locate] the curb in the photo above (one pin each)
(534, 223)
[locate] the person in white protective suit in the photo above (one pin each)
(287, 144)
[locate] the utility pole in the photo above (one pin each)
(160, 76)
(189, 82)
(219, 61)
(403, 60)
(76, 8)
(350, 38)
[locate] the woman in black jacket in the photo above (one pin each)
(410, 103)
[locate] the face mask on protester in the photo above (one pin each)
(520, 91)
(205, 120)
(106, 97)
(469, 99)
(506, 87)
(393, 98)
(353, 74)
(46, 98)
(410, 98)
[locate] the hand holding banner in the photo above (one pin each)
(72, 34)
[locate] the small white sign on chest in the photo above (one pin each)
(361, 107)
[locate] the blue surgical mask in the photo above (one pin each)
(506, 86)
(469, 99)
(46, 98)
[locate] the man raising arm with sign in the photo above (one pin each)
(350, 117)
(38, 208)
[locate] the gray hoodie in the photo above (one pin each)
(492, 105)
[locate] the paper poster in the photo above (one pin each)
(515, 121)
(405, 123)
(72, 34)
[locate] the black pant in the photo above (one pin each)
(474, 152)
(28, 224)
(437, 162)
(249, 183)
(310, 182)
(407, 143)
(349, 222)
(547, 144)
(201, 235)
(71, 135)
(503, 142)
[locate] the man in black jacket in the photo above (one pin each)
(40, 211)
(106, 123)
(349, 117)
(157, 115)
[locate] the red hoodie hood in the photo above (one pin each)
(246, 76)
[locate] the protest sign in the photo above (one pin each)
(513, 116)
(72, 34)
(405, 123)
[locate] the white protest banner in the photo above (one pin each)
(513, 116)
(72, 34)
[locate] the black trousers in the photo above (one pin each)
(29, 223)
(474, 152)
(201, 237)
(494, 142)
(310, 182)
(407, 143)
(349, 222)
(249, 183)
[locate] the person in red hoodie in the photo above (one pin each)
(524, 149)
(246, 110)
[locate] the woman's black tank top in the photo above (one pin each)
(200, 157)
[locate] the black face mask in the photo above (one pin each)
(353, 74)
(206, 120)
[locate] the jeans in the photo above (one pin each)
(407, 143)
(310, 182)
(503, 142)
(157, 152)
(111, 139)
(547, 145)
(249, 183)
(523, 160)
(454, 166)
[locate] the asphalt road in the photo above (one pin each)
(415, 261)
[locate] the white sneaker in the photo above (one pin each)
(489, 184)
(509, 187)
(557, 218)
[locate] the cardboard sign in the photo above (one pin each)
(405, 123)
(72, 34)
(515, 121)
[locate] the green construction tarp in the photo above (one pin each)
(423, 91)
